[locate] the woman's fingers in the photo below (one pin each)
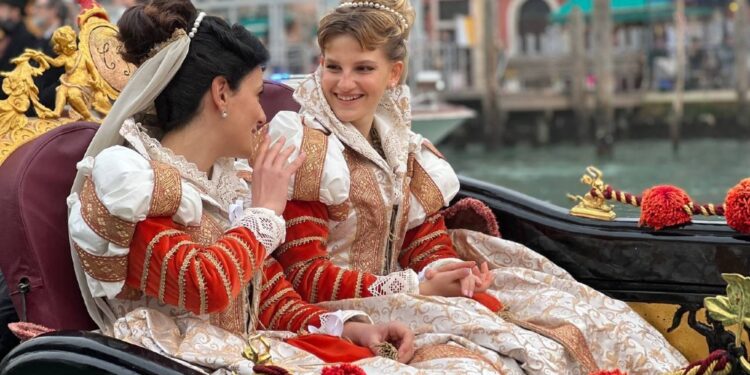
(282, 159)
(273, 151)
(476, 272)
(455, 275)
(429, 274)
(401, 335)
(261, 153)
(456, 265)
(297, 163)
(467, 286)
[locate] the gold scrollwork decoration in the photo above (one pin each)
(93, 77)
(592, 206)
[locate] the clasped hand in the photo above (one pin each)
(456, 280)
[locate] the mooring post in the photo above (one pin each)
(605, 82)
(678, 110)
(740, 64)
(578, 97)
(493, 126)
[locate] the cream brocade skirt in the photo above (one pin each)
(458, 334)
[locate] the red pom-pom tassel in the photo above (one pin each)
(737, 204)
(343, 369)
(663, 206)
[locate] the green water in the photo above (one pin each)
(704, 168)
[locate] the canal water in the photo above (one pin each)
(704, 168)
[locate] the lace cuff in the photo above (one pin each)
(269, 229)
(333, 323)
(436, 264)
(397, 282)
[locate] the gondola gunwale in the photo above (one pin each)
(526, 219)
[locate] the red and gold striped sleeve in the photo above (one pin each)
(426, 243)
(164, 262)
(305, 260)
(281, 307)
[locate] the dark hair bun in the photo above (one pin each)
(143, 26)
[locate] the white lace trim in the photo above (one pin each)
(269, 229)
(436, 264)
(405, 281)
(225, 186)
(333, 323)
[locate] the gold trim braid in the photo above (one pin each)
(339, 212)
(98, 218)
(567, 335)
(308, 176)
(167, 192)
(368, 249)
(103, 268)
(426, 190)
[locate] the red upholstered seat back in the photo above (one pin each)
(277, 97)
(34, 184)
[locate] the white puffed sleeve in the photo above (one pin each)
(334, 181)
(123, 183)
(435, 172)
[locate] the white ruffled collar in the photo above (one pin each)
(392, 121)
(224, 186)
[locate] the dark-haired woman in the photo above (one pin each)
(169, 244)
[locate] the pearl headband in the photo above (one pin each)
(175, 35)
(374, 5)
(196, 24)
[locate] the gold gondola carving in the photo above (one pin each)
(592, 206)
(94, 75)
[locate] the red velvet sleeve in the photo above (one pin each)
(281, 307)
(425, 244)
(165, 263)
(304, 257)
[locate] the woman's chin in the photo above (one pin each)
(346, 117)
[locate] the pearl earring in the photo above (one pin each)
(224, 114)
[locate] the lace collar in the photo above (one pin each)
(224, 186)
(392, 120)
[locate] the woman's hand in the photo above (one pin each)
(271, 174)
(446, 280)
(453, 280)
(371, 335)
(477, 282)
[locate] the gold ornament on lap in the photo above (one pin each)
(258, 350)
(387, 350)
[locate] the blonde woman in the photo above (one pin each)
(364, 229)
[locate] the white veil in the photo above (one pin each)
(144, 86)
